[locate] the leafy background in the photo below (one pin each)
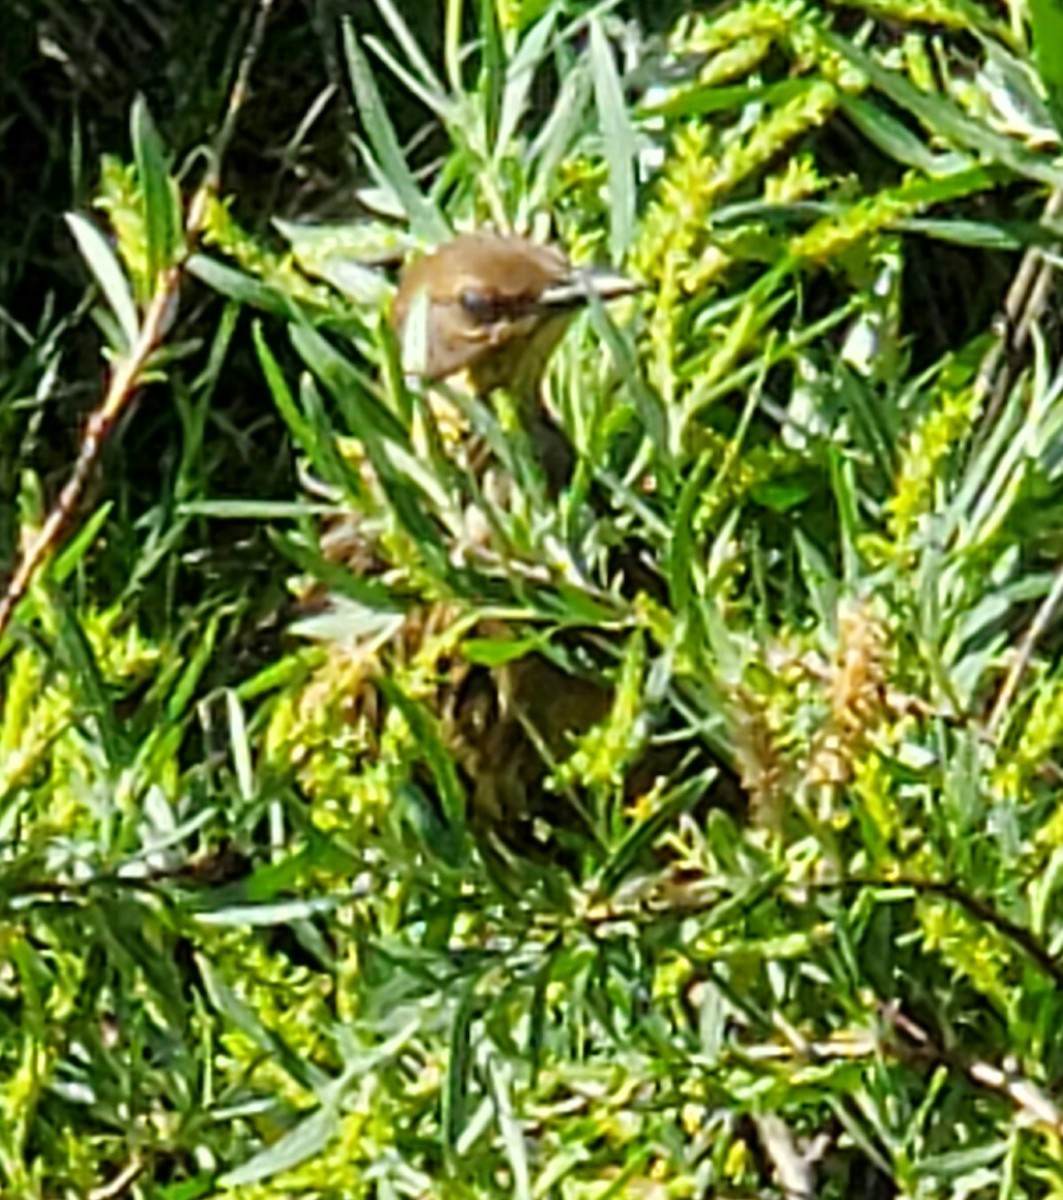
(318, 879)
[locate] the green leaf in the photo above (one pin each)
(130, 930)
(254, 510)
(72, 554)
(843, 480)
(492, 71)
(821, 581)
(681, 556)
(703, 101)
(650, 407)
(347, 257)
(347, 622)
(229, 1005)
(265, 916)
(324, 452)
(953, 1163)
(435, 754)
(894, 138)
(496, 652)
(160, 210)
(313, 1132)
(459, 1060)
(430, 87)
(241, 750)
(780, 495)
(452, 26)
(947, 119)
(301, 429)
(367, 418)
(231, 282)
(306, 1140)
(385, 440)
(80, 660)
(520, 74)
(513, 1143)
(620, 145)
(643, 835)
(426, 221)
(186, 685)
(558, 133)
(108, 273)
(1046, 35)
(370, 593)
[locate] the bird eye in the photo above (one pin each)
(480, 306)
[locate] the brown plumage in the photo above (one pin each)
(496, 305)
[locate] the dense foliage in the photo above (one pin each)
(348, 852)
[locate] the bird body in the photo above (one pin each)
(494, 307)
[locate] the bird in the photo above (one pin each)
(495, 306)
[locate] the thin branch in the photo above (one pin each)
(1042, 619)
(700, 898)
(127, 377)
(1025, 302)
(794, 1170)
(1026, 1096)
(980, 909)
(124, 385)
(121, 1183)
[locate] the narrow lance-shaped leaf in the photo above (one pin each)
(415, 56)
(70, 557)
(519, 76)
(456, 1088)
(492, 71)
(425, 219)
(108, 273)
(650, 407)
(558, 133)
(241, 749)
(237, 285)
(619, 142)
(513, 1142)
(947, 119)
(161, 216)
(452, 25)
(1046, 34)
(80, 660)
(304, 1141)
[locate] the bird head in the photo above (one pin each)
(496, 306)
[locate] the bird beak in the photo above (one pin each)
(578, 288)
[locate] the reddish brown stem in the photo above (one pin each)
(127, 378)
(125, 383)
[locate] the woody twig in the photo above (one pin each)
(1029, 1099)
(1024, 305)
(128, 373)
